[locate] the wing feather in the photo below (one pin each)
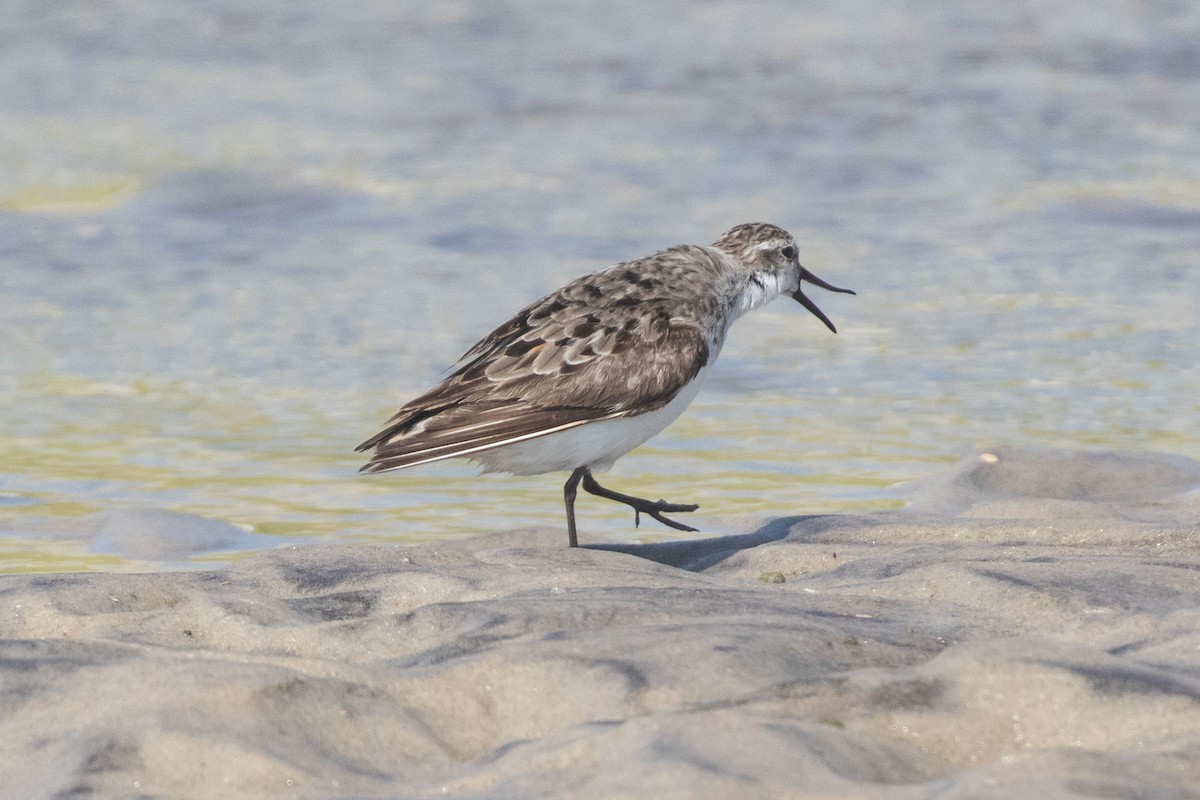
(483, 429)
(566, 360)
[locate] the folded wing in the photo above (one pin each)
(562, 362)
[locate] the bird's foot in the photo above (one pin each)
(651, 508)
(655, 509)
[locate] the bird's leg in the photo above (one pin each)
(654, 508)
(569, 500)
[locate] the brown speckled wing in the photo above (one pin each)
(619, 342)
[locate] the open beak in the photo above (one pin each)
(800, 297)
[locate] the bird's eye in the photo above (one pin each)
(788, 252)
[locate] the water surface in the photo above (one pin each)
(233, 237)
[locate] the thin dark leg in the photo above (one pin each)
(569, 500)
(640, 506)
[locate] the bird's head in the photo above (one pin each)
(772, 259)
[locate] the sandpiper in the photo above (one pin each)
(579, 378)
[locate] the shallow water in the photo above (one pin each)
(234, 237)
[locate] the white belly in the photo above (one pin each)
(595, 444)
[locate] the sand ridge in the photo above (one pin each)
(1050, 648)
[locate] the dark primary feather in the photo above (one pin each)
(462, 430)
(619, 342)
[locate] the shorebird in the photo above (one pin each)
(579, 378)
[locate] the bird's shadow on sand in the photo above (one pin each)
(697, 555)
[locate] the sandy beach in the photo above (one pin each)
(1030, 627)
(236, 236)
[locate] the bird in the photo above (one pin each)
(577, 379)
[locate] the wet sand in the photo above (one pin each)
(1030, 627)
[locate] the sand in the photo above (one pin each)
(1030, 627)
